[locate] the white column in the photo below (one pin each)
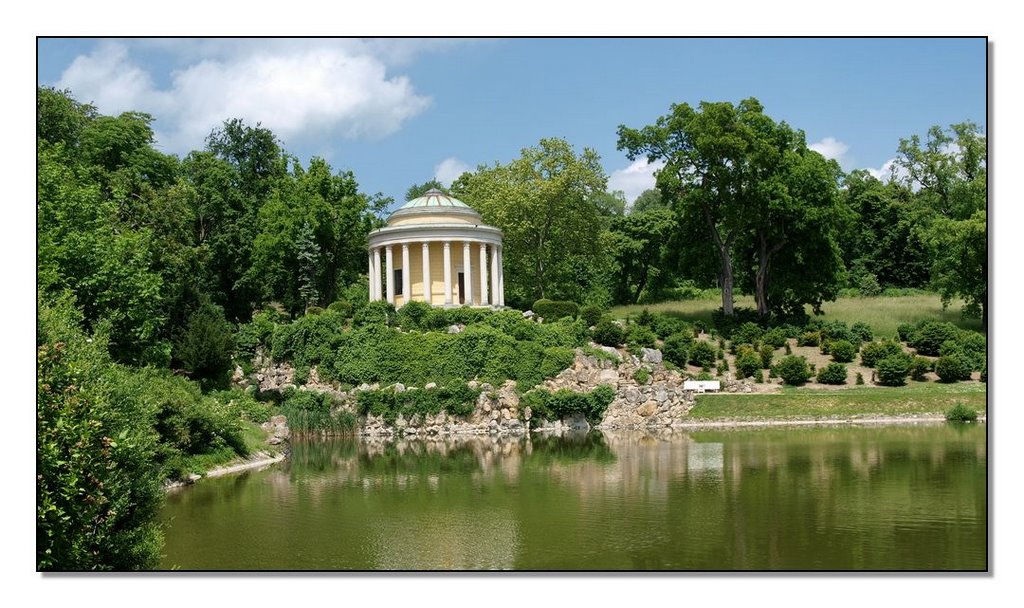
(501, 276)
(447, 273)
(494, 275)
(369, 274)
(467, 270)
(426, 273)
(483, 275)
(376, 274)
(390, 274)
(406, 275)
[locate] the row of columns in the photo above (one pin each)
(496, 290)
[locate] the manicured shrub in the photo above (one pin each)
(608, 333)
(860, 379)
(862, 331)
(904, 331)
(952, 368)
(961, 413)
(665, 325)
(702, 354)
(793, 370)
(677, 348)
(809, 338)
(700, 327)
(832, 331)
(747, 362)
(759, 376)
(436, 319)
(341, 307)
(379, 312)
(842, 351)
(591, 314)
(970, 346)
(929, 337)
(775, 337)
(645, 318)
(919, 366)
(205, 345)
(640, 336)
(552, 310)
(766, 353)
(893, 370)
(873, 352)
(412, 315)
(833, 373)
(748, 333)
(789, 349)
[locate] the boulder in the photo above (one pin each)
(430, 385)
(651, 355)
(647, 409)
(399, 387)
(611, 351)
(528, 314)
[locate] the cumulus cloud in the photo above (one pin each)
(448, 170)
(298, 91)
(634, 179)
(832, 148)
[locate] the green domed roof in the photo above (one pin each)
(434, 198)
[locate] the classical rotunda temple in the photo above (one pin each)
(435, 249)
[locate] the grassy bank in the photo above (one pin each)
(802, 403)
(882, 313)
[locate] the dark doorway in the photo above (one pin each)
(462, 288)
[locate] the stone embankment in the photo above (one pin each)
(647, 396)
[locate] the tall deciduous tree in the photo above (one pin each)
(950, 173)
(640, 242)
(418, 190)
(544, 203)
(757, 189)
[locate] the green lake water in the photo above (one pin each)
(836, 498)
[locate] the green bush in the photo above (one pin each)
(893, 370)
(860, 379)
(552, 310)
(747, 362)
(842, 351)
(98, 480)
(809, 338)
(455, 399)
(766, 353)
(436, 319)
(205, 345)
(793, 370)
(789, 349)
(704, 376)
(952, 368)
(676, 348)
(314, 412)
(645, 318)
(969, 346)
(748, 333)
(919, 366)
(640, 336)
(961, 413)
(833, 373)
(862, 331)
(591, 314)
(665, 325)
(413, 315)
(379, 312)
(929, 337)
(904, 330)
(250, 337)
(546, 405)
(775, 337)
(608, 333)
(702, 354)
(832, 331)
(873, 352)
(314, 310)
(341, 307)
(641, 375)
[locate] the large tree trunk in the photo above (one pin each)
(763, 276)
(725, 262)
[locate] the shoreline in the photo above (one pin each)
(767, 422)
(264, 461)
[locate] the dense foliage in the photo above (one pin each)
(833, 373)
(793, 370)
(455, 399)
(547, 405)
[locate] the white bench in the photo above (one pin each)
(702, 386)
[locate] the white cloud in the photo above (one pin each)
(448, 170)
(884, 173)
(634, 179)
(298, 91)
(832, 148)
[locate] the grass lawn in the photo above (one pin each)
(882, 313)
(806, 403)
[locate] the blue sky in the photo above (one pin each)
(401, 111)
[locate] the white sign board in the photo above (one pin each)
(702, 386)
